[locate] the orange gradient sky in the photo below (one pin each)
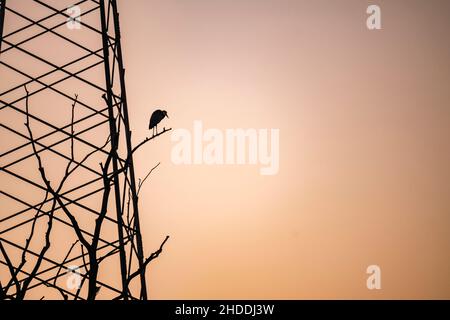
(364, 119)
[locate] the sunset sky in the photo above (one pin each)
(364, 127)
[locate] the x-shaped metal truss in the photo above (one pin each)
(89, 76)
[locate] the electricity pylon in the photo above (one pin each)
(68, 56)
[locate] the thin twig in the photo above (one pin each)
(64, 261)
(148, 174)
(153, 256)
(10, 268)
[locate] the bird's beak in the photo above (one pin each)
(167, 115)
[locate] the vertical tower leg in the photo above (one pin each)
(129, 151)
(2, 19)
(114, 146)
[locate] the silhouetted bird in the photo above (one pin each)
(156, 118)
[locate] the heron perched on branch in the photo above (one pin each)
(156, 118)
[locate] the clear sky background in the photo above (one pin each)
(364, 119)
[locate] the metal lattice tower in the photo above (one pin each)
(69, 57)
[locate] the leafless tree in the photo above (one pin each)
(89, 244)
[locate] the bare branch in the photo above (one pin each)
(28, 241)
(148, 174)
(10, 268)
(72, 132)
(153, 256)
(64, 261)
(47, 182)
(84, 275)
(28, 280)
(148, 139)
(65, 296)
(90, 245)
